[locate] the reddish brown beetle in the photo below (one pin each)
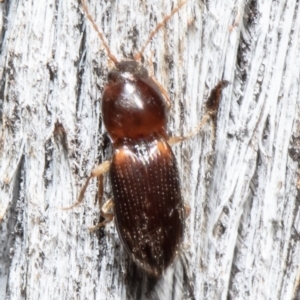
(148, 206)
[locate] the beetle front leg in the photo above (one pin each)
(97, 172)
(212, 106)
(106, 214)
(178, 139)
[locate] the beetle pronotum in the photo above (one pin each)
(148, 207)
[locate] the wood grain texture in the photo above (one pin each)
(242, 237)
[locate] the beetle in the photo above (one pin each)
(148, 207)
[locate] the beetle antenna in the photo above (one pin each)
(139, 54)
(100, 34)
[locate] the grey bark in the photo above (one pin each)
(242, 239)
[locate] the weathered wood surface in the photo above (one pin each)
(242, 236)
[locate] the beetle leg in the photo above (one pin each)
(212, 105)
(108, 216)
(213, 101)
(98, 171)
(178, 139)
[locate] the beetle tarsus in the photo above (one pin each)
(80, 197)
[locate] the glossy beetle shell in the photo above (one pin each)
(132, 105)
(144, 176)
